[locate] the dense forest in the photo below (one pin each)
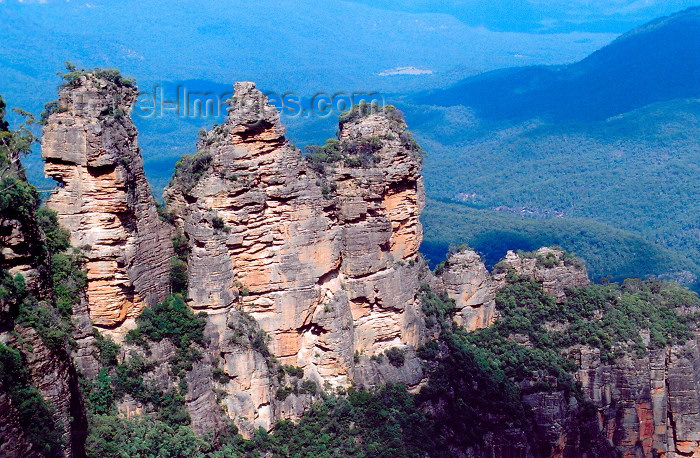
(477, 381)
(477, 378)
(605, 144)
(522, 143)
(609, 253)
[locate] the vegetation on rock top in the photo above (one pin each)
(113, 75)
(189, 170)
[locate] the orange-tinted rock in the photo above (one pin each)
(104, 200)
(321, 271)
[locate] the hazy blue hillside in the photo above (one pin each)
(490, 139)
(544, 17)
(656, 62)
(612, 141)
(323, 46)
(638, 172)
(608, 252)
(326, 45)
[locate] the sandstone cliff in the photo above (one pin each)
(33, 357)
(553, 268)
(324, 261)
(318, 252)
(54, 375)
(21, 246)
(89, 146)
(468, 282)
(646, 406)
(13, 440)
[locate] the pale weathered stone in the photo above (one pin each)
(104, 200)
(565, 273)
(646, 406)
(467, 281)
(321, 261)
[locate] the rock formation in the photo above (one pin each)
(54, 375)
(320, 253)
(553, 268)
(325, 262)
(49, 369)
(468, 282)
(89, 147)
(647, 406)
(13, 441)
(21, 247)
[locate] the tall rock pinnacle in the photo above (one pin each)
(89, 146)
(318, 257)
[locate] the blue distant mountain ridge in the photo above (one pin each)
(656, 62)
(565, 154)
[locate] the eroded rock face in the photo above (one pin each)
(21, 246)
(550, 267)
(379, 207)
(53, 374)
(89, 146)
(648, 406)
(324, 262)
(644, 406)
(50, 370)
(13, 441)
(469, 283)
(17, 248)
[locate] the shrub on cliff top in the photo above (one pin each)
(355, 153)
(189, 170)
(73, 75)
(49, 109)
(364, 109)
(320, 156)
(548, 260)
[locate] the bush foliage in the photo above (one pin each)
(35, 416)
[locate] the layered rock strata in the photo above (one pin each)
(553, 268)
(469, 283)
(322, 256)
(473, 288)
(89, 146)
(325, 262)
(646, 406)
(54, 375)
(13, 440)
